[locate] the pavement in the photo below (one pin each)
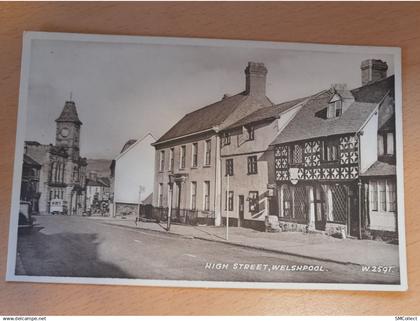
(307, 245)
(74, 246)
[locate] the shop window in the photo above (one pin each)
(229, 201)
(253, 200)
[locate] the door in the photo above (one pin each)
(353, 221)
(320, 219)
(241, 210)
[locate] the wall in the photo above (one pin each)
(369, 144)
(134, 168)
(361, 23)
(199, 174)
(241, 182)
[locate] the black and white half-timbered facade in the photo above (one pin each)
(335, 160)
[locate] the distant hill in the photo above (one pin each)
(101, 166)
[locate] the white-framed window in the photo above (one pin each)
(171, 159)
(160, 193)
(162, 160)
(229, 201)
(250, 132)
(226, 139)
(254, 200)
(390, 143)
(207, 152)
(252, 165)
(229, 167)
(182, 157)
(193, 195)
(206, 199)
(194, 155)
(382, 195)
(386, 144)
(335, 109)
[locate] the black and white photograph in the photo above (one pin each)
(208, 163)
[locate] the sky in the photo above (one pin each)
(123, 91)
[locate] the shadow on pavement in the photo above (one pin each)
(63, 254)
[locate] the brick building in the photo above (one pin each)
(188, 168)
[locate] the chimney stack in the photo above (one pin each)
(255, 79)
(373, 70)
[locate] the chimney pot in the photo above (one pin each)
(373, 70)
(256, 73)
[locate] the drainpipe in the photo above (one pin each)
(360, 210)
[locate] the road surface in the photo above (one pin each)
(82, 247)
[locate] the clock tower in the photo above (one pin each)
(68, 130)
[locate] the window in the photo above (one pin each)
(226, 139)
(374, 196)
(330, 150)
(390, 143)
(162, 160)
(391, 199)
(296, 154)
(160, 193)
(194, 155)
(207, 149)
(338, 108)
(382, 195)
(193, 195)
(171, 159)
(182, 157)
(335, 109)
(229, 201)
(206, 196)
(250, 132)
(253, 200)
(229, 167)
(381, 145)
(252, 165)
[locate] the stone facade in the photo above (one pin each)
(63, 171)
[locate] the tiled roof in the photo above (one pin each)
(204, 118)
(310, 120)
(374, 92)
(266, 113)
(69, 113)
(380, 169)
(100, 181)
(127, 145)
(30, 161)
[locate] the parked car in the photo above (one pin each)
(25, 215)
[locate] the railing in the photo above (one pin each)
(180, 216)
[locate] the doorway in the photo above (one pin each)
(241, 210)
(320, 220)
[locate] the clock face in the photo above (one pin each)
(65, 132)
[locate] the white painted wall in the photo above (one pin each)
(133, 168)
(369, 144)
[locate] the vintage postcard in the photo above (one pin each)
(208, 163)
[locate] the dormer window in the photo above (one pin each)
(335, 108)
(250, 132)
